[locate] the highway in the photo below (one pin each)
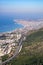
(16, 51)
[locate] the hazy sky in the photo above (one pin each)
(21, 6)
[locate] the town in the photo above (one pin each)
(8, 41)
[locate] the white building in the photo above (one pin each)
(18, 36)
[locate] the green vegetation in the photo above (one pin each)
(32, 51)
(34, 37)
(5, 57)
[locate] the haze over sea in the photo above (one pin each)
(11, 10)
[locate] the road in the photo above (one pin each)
(16, 51)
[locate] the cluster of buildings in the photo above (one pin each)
(7, 41)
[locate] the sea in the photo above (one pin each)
(8, 24)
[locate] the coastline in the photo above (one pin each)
(26, 24)
(30, 24)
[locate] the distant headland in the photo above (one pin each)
(30, 24)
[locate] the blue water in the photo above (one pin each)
(7, 24)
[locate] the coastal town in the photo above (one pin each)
(10, 40)
(7, 42)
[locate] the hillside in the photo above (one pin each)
(32, 51)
